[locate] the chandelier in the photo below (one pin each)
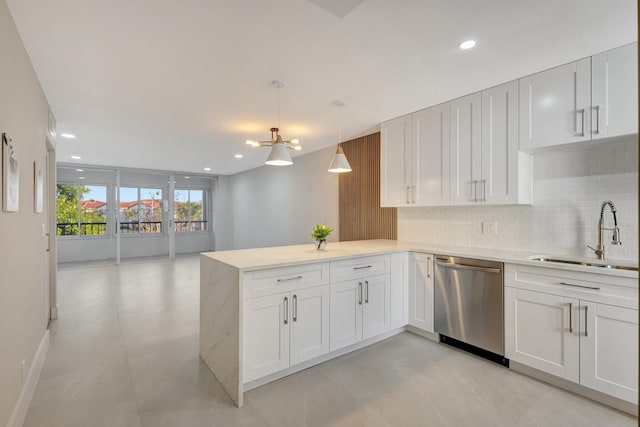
(279, 155)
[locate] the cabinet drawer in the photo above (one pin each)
(275, 280)
(350, 269)
(601, 288)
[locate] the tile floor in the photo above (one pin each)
(124, 352)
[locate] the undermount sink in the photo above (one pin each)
(584, 263)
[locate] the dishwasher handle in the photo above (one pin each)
(468, 267)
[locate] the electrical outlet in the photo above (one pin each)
(24, 371)
(490, 228)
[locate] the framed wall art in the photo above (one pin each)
(38, 180)
(10, 176)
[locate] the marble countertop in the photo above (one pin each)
(281, 256)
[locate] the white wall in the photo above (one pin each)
(24, 115)
(274, 206)
(569, 187)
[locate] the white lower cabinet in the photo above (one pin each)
(359, 310)
(285, 329)
(582, 327)
(421, 291)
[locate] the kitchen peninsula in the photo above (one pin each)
(268, 312)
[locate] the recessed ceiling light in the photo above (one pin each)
(467, 44)
(79, 170)
(238, 156)
(207, 169)
(67, 135)
(76, 157)
(187, 177)
(81, 177)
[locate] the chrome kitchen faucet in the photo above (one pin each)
(615, 240)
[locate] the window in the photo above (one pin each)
(189, 210)
(81, 210)
(140, 210)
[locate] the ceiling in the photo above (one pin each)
(180, 85)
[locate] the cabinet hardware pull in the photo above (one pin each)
(48, 242)
(595, 288)
(361, 268)
(474, 191)
(570, 318)
(468, 267)
(360, 287)
(295, 308)
(366, 291)
(428, 267)
(290, 278)
(413, 194)
(484, 190)
(286, 310)
(408, 189)
(597, 108)
(581, 112)
(586, 328)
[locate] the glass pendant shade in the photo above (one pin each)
(340, 163)
(279, 155)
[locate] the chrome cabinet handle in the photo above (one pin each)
(597, 131)
(408, 189)
(286, 310)
(295, 308)
(48, 242)
(413, 194)
(595, 288)
(570, 318)
(361, 268)
(586, 328)
(290, 278)
(366, 291)
(428, 267)
(581, 112)
(360, 287)
(484, 190)
(474, 192)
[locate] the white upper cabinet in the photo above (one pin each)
(589, 99)
(395, 162)
(465, 148)
(555, 106)
(506, 173)
(430, 152)
(614, 92)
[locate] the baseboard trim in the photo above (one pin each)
(433, 336)
(28, 389)
(597, 396)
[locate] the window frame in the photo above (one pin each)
(108, 229)
(163, 223)
(205, 210)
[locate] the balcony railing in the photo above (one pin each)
(181, 226)
(141, 227)
(85, 228)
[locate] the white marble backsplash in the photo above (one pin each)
(569, 187)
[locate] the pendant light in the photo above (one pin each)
(340, 164)
(279, 155)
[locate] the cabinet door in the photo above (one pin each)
(346, 313)
(430, 136)
(395, 162)
(614, 92)
(309, 335)
(609, 350)
(399, 292)
(421, 291)
(266, 335)
(541, 331)
(465, 158)
(375, 315)
(555, 106)
(499, 183)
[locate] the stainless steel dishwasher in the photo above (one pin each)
(468, 305)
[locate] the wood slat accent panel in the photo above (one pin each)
(360, 216)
